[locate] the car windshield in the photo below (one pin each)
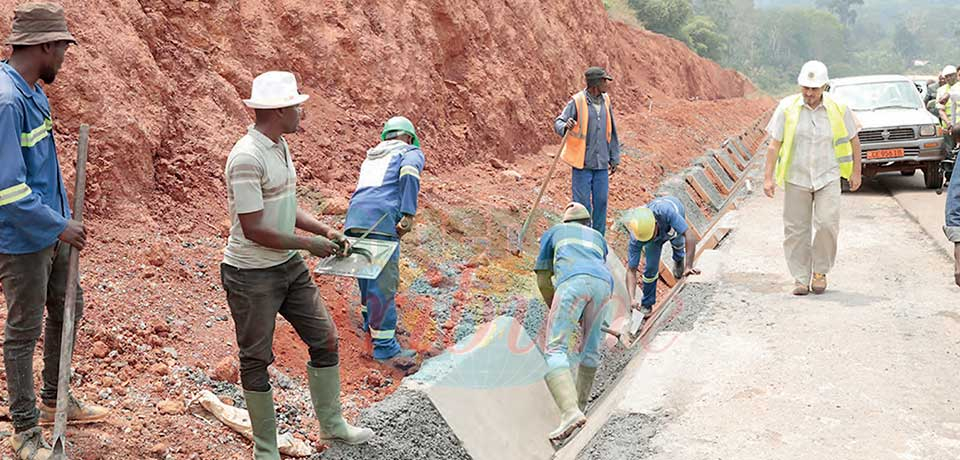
(879, 96)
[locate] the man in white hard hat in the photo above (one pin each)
(575, 282)
(946, 105)
(263, 273)
(814, 144)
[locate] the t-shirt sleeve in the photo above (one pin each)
(634, 251)
(677, 222)
(244, 180)
(545, 257)
(851, 122)
(777, 121)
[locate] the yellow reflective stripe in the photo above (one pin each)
(14, 194)
(38, 134)
(382, 334)
(579, 242)
(410, 171)
(648, 280)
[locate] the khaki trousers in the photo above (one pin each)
(811, 225)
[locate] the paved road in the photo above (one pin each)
(866, 371)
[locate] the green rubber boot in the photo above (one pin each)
(585, 376)
(325, 393)
(263, 419)
(560, 383)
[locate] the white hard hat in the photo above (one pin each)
(948, 70)
(813, 74)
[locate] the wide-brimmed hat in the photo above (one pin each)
(275, 90)
(38, 23)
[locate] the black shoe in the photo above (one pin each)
(678, 268)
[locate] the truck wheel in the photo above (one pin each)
(909, 173)
(932, 176)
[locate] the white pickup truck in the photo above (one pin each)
(897, 132)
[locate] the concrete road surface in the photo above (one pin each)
(869, 370)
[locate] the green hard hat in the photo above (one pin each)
(401, 124)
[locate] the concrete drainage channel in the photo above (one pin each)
(485, 397)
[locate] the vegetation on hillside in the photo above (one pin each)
(770, 40)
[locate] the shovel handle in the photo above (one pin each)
(543, 188)
(70, 303)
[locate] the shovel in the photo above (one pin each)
(69, 307)
(354, 249)
(518, 249)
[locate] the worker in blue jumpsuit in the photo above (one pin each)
(952, 222)
(389, 184)
(37, 229)
(660, 221)
(575, 282)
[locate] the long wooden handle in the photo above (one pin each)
(543, 188)
(70, 302)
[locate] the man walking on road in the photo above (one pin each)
(662, 220)
(591, 147)
(951, 226)
(814, 144)
(946, 106)
(575, 282)
(36, 229)
(263, 274)
(389, 185)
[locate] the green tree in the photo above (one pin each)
(663, 16)
(703, 36)
(844, 9)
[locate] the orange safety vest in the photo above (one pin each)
(575, 148)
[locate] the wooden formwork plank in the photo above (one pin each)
(730, 169)
(731, 152)
(705, 188)
(717, 181)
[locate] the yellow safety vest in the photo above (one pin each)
(575, 148)
(947, 108)
(841, 140)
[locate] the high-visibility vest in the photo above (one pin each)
(575, 148)
(948, 107)
(841, 139)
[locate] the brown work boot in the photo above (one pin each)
(405, 361)
(30, 445)
(800, 288)
(77, 412)
(819, 284)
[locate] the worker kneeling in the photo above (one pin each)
(661, 220)
(574, 255)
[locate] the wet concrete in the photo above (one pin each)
(407, 425)
(714, 198)
(709, 161)
(677, 187)
(623, 437)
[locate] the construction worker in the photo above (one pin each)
(945, 106)
(649, 227)
(952, 222)
(575, 282)
(591, 147)
(263, 273)
(814, 144)
(388, 185)
(36, 229)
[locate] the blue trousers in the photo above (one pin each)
(590, 188)
(651, 269)
(581, 299)
(379, 305)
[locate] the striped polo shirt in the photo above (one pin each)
(260, 176)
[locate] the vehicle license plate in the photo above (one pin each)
(885, 153)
